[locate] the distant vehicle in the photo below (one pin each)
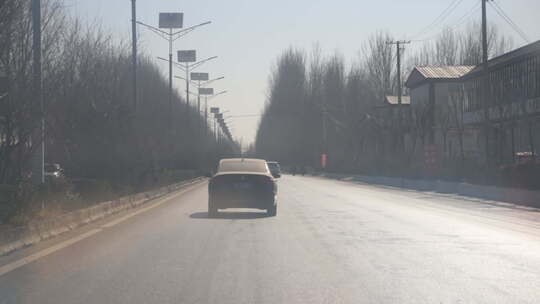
(242, 183)
(274, 168)
(53, 171)
(524, 157)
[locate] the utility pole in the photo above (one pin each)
(170, 78)
(38, 174)
(134, 50)
(324, 156)
(199, 124)
(399, 85)
(485, 80)
(399, 48)
(484, 34)
(187, 84)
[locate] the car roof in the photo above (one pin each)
(272, 162)
(241, 160)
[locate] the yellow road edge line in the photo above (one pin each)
(144, 209)
(29, 259)
(45, 252)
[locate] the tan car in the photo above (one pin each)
(242, 183)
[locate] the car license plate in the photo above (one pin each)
(243, 185)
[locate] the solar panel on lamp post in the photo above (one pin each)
(197, 76)
(200, 85)
(171, 21)
(207, 82)
(187, 56)
(206, 98)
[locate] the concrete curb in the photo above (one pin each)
(447, 187)
(510, 195)
(17, 238)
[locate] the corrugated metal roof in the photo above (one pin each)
(394, 100)
(444, 72)
(532, 48)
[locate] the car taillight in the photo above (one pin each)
(268, 182)
(268, 179)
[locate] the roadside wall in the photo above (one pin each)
(510, 195)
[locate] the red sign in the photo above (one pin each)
(324, 158)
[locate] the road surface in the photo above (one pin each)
(332, 242)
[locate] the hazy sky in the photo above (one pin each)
(248, 35)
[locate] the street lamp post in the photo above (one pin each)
(187, 59)
(199, 77)
(39, 166)
(201, 90)
(206, 98)
(187, 68)
(206, 94)
(171, 21)
(134, 51)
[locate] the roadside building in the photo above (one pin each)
(390, 110)
(436, 130)
(450, 115)
(393, 101)
(392, 120)
(509, 120)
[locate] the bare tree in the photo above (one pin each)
(379, 62)
(92, 129)
(362, 136)
(446, 48)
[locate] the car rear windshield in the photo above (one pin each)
(273, 165)
(245, 166)
(50, 167)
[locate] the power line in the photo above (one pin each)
(445, 13)
(436, 19)
(474, 9)
(460, 21)
(509, 20)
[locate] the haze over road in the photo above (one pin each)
(332, 242)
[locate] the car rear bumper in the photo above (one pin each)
(223, 202)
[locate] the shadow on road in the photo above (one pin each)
(229, 215)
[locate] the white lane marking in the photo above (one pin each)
(40, 254)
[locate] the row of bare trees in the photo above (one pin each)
(92, 128)
(318, 104)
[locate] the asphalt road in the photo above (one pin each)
(332, 242)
